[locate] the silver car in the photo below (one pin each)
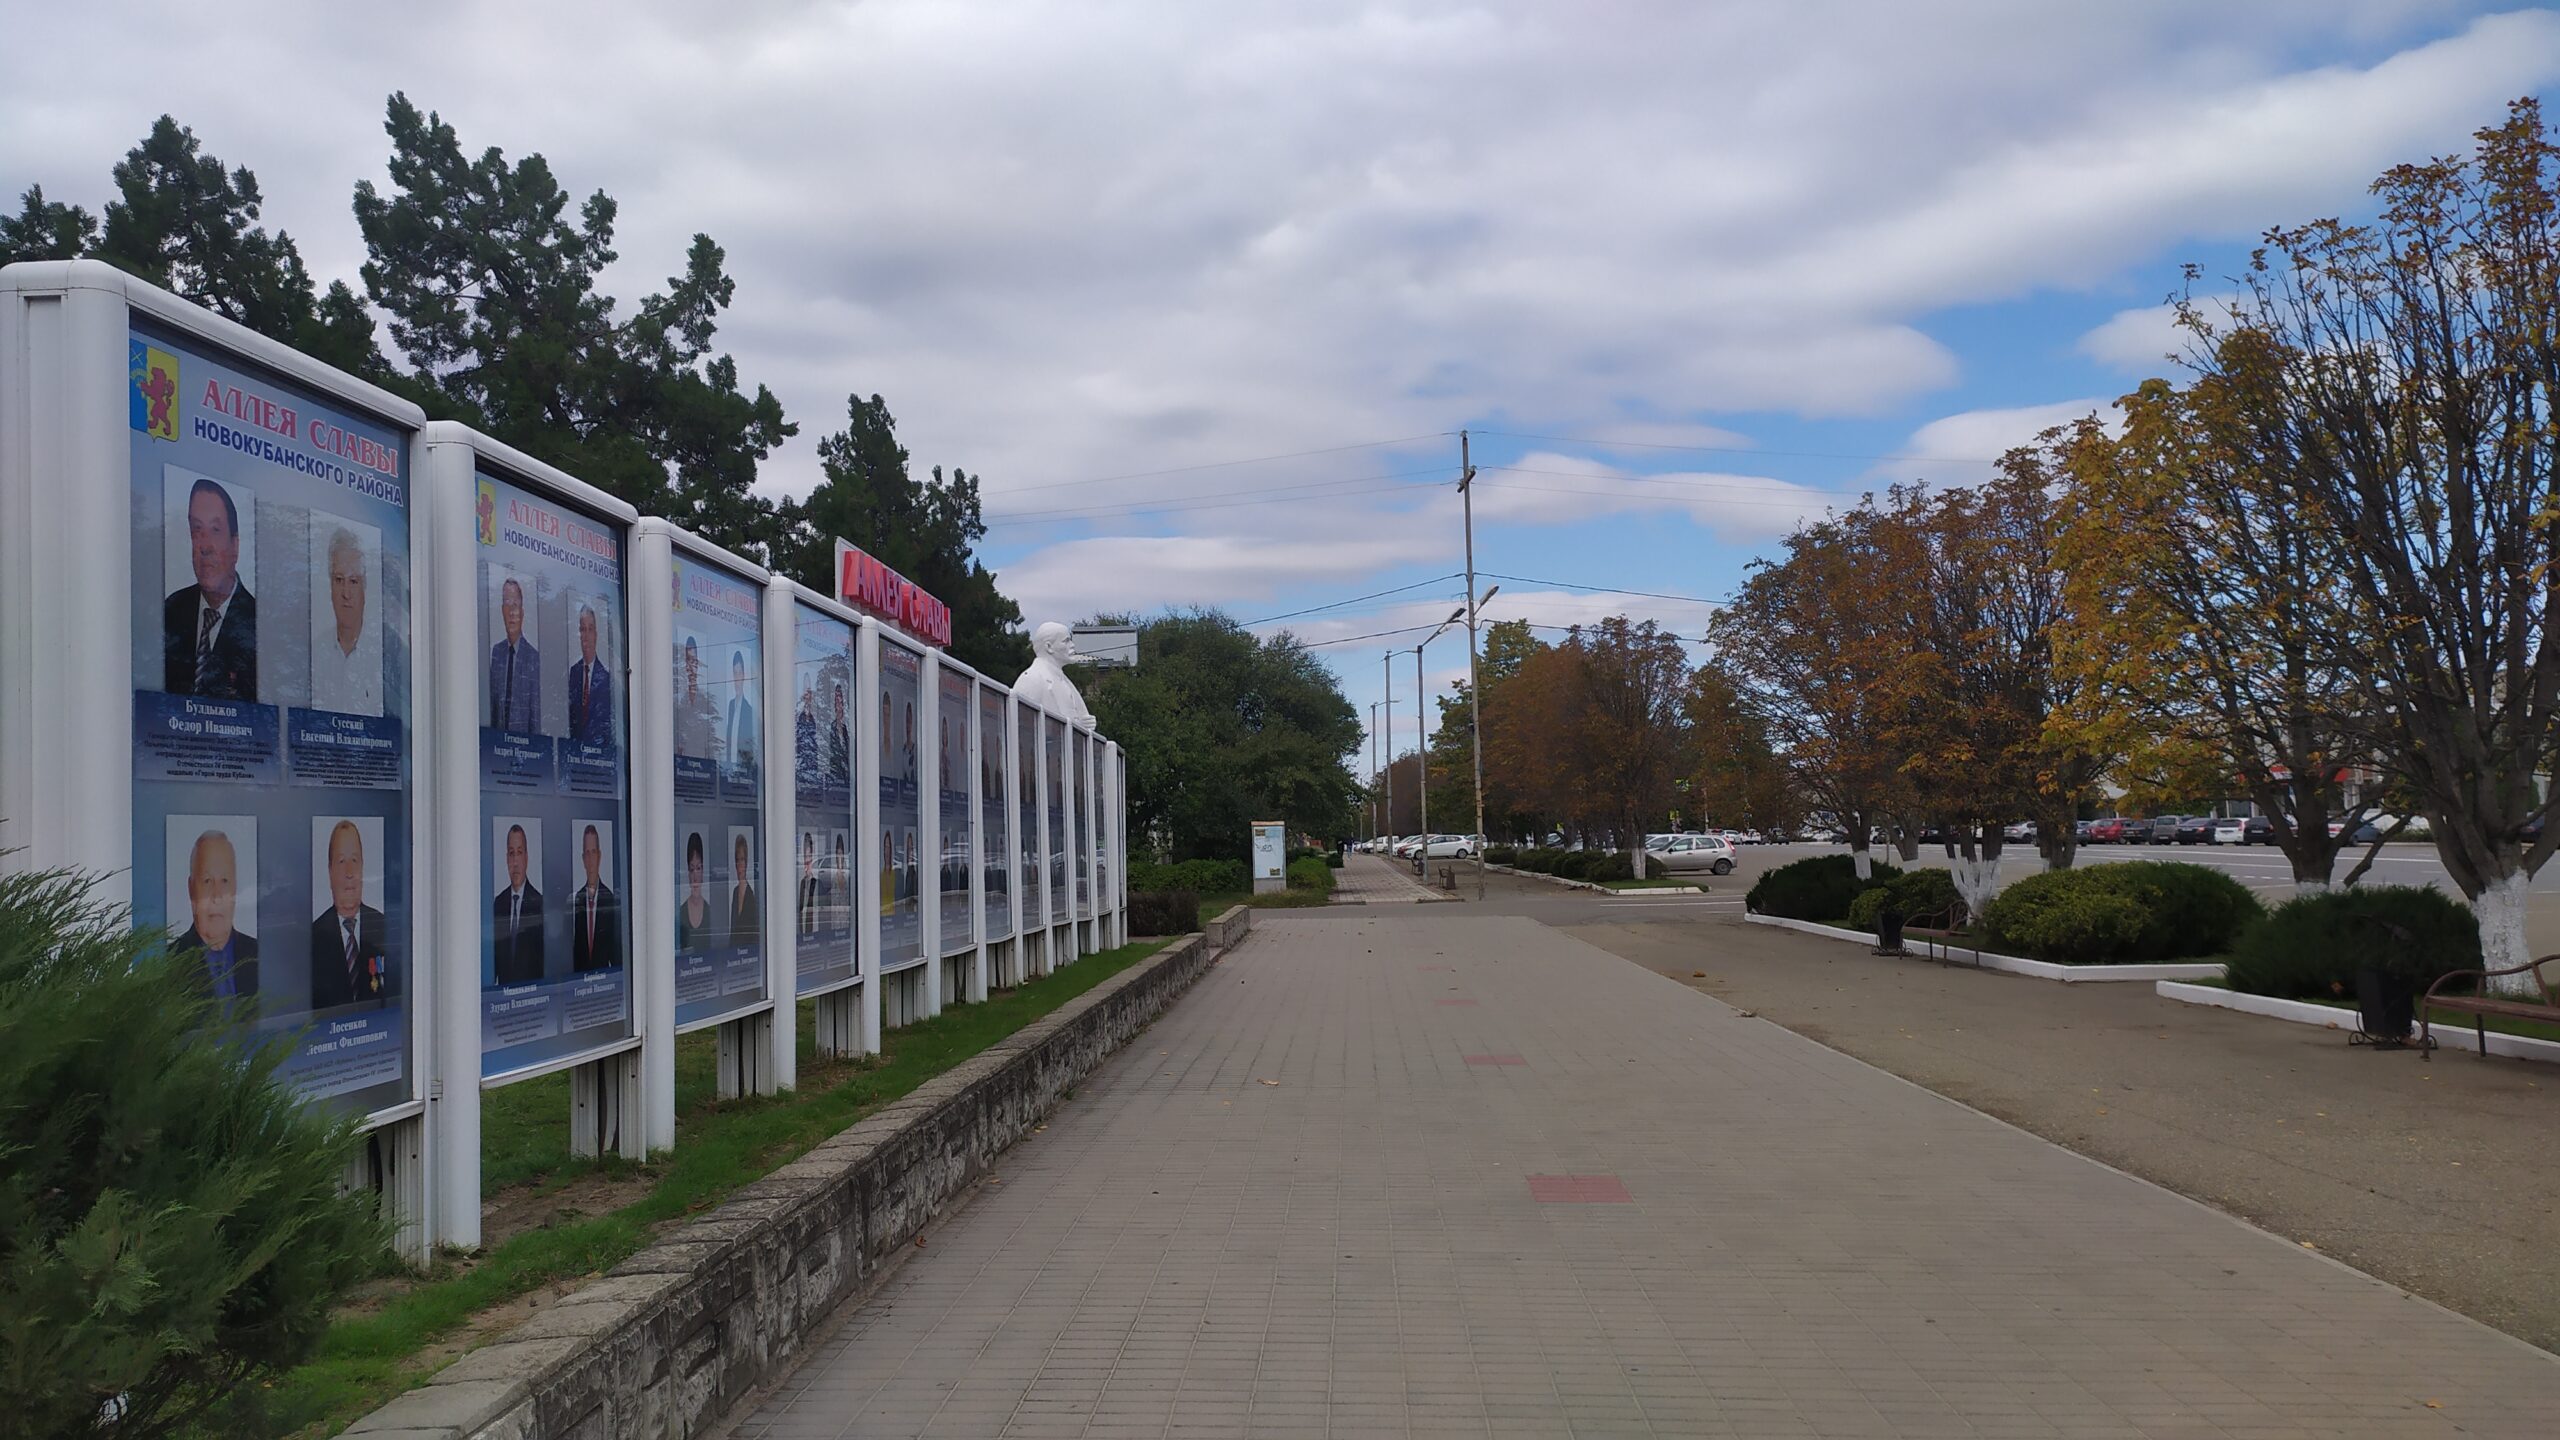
(1711, 853)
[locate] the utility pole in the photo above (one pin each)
(1376, 826)
(1475, 687)
(1422, 764)
(1390, 733)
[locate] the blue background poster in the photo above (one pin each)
(1080, 815)
(1026, 789)
(270, 671)
(555, 859)
(901, 808)
(719, 784)
(996, 835)
(958, 933)
(1053, 745)
(822, 825)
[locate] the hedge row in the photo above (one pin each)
(1201, 877)
(1820, 889)
(1921, 897)
(1310, 873)
(2310, 947)
(2129, 913)
(1592, 865)
(1163, 912)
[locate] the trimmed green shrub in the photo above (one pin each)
(2129, 913)
(1203, 877)
(1310, 873)
(1923, 896)
(1333, 859)
(2310, 947)
(1578, 864)
(1500, 854)
(1163, 912)
(1541, 860)
(172, 1232)
(1607, 865)
(1817, 889)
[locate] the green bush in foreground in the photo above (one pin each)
(1202, 877)
(1819, 889)
(1924, 896)
(2128, 913)
(2310, 947)
(171, 1227)
(1500, 854)
(1310, 873)
(1163, 912)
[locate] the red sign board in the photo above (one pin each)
(875, 589)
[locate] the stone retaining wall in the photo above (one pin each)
(667, 1341)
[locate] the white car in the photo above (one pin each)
(2231, 832)
(1453, 847)
(1711, 853)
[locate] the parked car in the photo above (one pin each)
(2019, 830)
(2162, 829)
(2110, 831)
(1660, 841)
(1454, 847)
(2230, 832)
(2081, 829)
(2196, 829)
(1711, 853)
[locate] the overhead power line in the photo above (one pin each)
(1354, 600)
(1597, 589)
(1598, 442)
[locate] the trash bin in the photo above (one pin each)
(2386, 1005)
(1889, 931)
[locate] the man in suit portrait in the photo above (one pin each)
(347, 939)
(213, 897)
(907, 757)
(209, 630)
(515, 669)
(806, 755)
(515, 915)
(694, 713)
(809, 887)
(745, 742)
(840, 741)
(745, 923)
(595, 913)
(590, 687)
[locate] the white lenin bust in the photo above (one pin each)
(1046, 684)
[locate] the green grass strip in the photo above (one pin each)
(367, 1359)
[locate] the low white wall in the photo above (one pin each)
(2453, 1032)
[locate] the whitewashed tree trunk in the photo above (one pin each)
(2310, 887)
(2500, 907)
(1977, 881)
(1862, 860)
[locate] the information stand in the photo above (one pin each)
(528, 718)
(830, 765)
(955, 688)
(207, 670)
(1115, 845)
(1031, 942)
(700, 639)
(994, 843)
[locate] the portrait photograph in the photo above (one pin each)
(594, 908)
(512, 684)
(517, 949)
(346, 618)
(746, 919)
(699, 919)
(350, 938)
(212, 899)
(590, 665)
(209, 575)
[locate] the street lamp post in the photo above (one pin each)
(1422, 754)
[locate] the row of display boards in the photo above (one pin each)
(452, 771)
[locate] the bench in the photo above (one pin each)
(2480, 1006)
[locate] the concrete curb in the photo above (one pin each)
(1598, 889)
(2306, 1012)
(670, 1339)
(2035, 969)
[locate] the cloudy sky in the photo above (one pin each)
(1206, 291)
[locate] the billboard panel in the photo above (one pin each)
(271, 708)
(1053, 750)
(554, 958)
(1084, 809)
(996, 834)
(822, 734)
(719, 791)
(959, 930)
(901, 807)
(1026, 791)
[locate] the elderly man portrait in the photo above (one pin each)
(346, 659)
(347, 938)
(230, 954)
(590, 687)
(209, 630)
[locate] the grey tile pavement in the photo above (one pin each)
(1295, 1208)
(1376, 880)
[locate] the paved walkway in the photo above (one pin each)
(1376, 880)
(1423, 1171)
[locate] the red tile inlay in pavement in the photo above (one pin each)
(1460, 1000)
(1579, 1190)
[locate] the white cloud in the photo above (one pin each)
(1960, 449)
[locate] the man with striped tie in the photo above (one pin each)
(209, 630)
(590, 688)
